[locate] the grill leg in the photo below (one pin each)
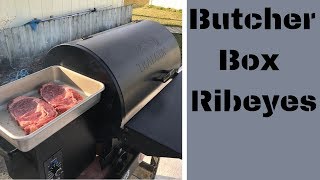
(155, 164)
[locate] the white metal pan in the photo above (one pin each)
(90, 90)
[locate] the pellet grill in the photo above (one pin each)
(139, 111)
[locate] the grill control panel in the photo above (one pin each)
(54, 167)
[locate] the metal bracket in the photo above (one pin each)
(166, 75)
(86, 37)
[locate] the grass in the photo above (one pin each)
(136, 3)
(165, 16)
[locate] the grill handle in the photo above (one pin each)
(166, 75)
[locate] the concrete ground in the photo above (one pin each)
(169, 168)
(3, 170)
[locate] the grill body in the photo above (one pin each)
(128, 60)
(135, 62)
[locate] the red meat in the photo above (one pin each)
(61, 97)
(31, 113)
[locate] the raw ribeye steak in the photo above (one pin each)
(61, 97)
(31, 113)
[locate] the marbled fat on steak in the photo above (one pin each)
(61, 97)
(31, 113)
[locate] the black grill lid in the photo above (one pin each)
(134, 55)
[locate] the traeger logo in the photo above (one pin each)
(150, 45)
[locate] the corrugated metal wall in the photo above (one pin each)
(18, 12)
(21, 47)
